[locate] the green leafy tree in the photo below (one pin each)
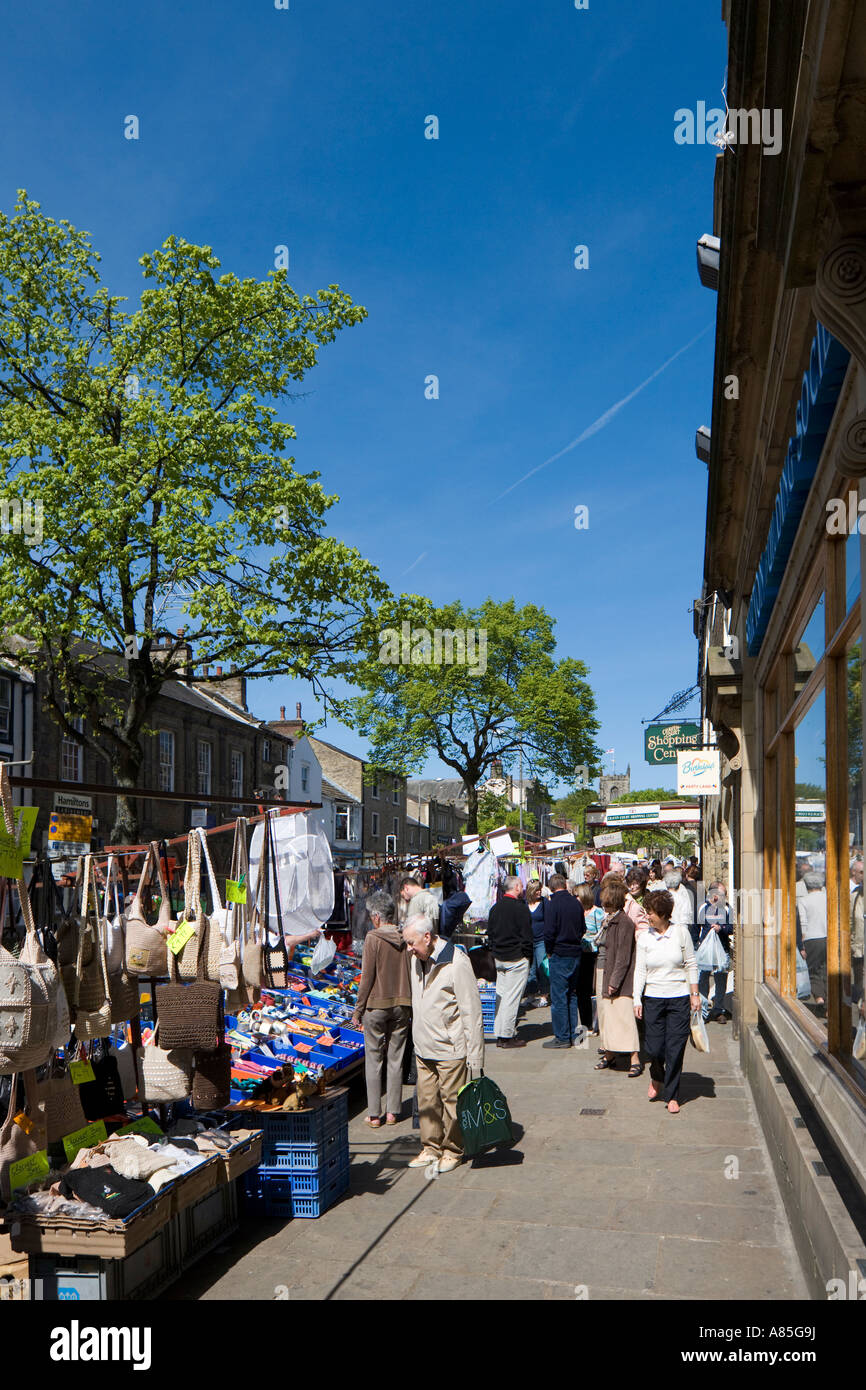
(572, 808)
(494, 811)
(508, 693)
(149, 444)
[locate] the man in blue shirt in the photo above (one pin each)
(564, 927)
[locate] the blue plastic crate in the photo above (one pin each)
(314, 1180)
(275, 1195)
(305, 1128)
(315, 1206)
(298, 1158)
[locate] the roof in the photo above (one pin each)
(443, 790)
(330, 789)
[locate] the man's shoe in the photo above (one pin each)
(449, 1161)
(554, 1042)
(511, 1042)
(722, 1018)
(425, 1156)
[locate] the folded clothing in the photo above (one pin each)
(114, 1194)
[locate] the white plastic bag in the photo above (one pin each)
(306, 873)
(700, 1041)
(711, 954)
(804, 985)
(323, 954)
(860, 1041)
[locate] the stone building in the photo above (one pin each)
(614, 785)
(782, 601)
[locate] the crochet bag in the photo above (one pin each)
(31, 998)
(60, 1101)
(93, 999)
(206, 927)
(190, 1016)
(122, 987)
(164, 1074)
(211, 1085)
(146, 950)
(253, 949)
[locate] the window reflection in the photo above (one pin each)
(854, 664)
(810, 785)
(810, 648)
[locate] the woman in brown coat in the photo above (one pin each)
(616, 1005)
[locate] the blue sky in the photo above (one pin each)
(305, 127)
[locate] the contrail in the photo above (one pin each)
(421, 557)
(605, 419)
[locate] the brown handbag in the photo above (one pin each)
(190, 1016)
(211, 1084)
(146, 945)
(60, 1101)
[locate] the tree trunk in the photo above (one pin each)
(472, 808)
(126, 829)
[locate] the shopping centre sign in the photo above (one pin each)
(662, 742)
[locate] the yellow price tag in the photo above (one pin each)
(81, 1072)
(178, 939)
(143, 1126)
(28, 1170)
(236, 890)
(85, 1138)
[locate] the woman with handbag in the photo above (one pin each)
(665, 994)
(715, 916)
(616, 1014)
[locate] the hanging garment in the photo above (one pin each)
(481, 875)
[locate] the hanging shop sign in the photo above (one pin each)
(699, 774)
(822, 382)
(643, 813)
(73, 803)
(810, 812)
(606, 841)
(663, 741)
(562, 839)
(69, 836)
(595, 817)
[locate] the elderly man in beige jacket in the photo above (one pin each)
(448, 1036)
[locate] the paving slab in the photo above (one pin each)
(633, 1204)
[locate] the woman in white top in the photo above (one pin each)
(665, 993)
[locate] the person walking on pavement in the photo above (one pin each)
(591, 881)
(635, 882)
(564, 927)
(536, 982)
(684, 912)
(448, 1035)
(616, 1004)
(665, 994)
(383, 1008)
(594, 918)
(415, 899)
(715, 915)
(509, 933)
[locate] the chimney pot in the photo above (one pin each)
(282, 711)
(298, 707)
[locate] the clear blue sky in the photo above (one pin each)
(306, 127)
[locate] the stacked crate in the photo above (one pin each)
(305, 1160)
(488, 1009)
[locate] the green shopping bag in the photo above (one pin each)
(483, 1116)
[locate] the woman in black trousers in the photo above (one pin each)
(665, 993)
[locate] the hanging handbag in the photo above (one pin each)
(165, 1074)
(102, 1098)
(233, 915)
(190, 1016)
(146, 945)
(275, 959)
(61, 1102)
(206, 927)
(93, 1000)
(125, 1054)
(42, 892)
(18, 1141)
(31, 1000)
(253, 963)
(211, 1083)
(122, 987)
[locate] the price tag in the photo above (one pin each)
(143, 1126)
(236, 890)
(85, 1138)
(15, 848)
(178, 939)
(28, 1170)
(81, 1072)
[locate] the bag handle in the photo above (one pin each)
(192, 879)
(216, 900)
(278, 904)
(112, 876)
(10, 1114)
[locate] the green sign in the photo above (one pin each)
(663, 741)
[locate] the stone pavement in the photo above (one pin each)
(632, 1203)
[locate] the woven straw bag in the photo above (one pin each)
(164, 1074)
(146, 951)
(191, 1016)
(122, 987)
(15, 1142)
(205, 927)
(60, 1101)
(93, 1000)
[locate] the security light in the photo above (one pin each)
(708, 261)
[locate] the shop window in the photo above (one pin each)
(852, 1001)
(852, 569)
(237, 777)
(810, 647)
(810, 843)
(204, 767)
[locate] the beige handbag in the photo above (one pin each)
(93, 999)
(207, 927)
(239, 954)
(146, 948)
(164, 1076)
(15, 1142)
(60, 1102)
(122, 987)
